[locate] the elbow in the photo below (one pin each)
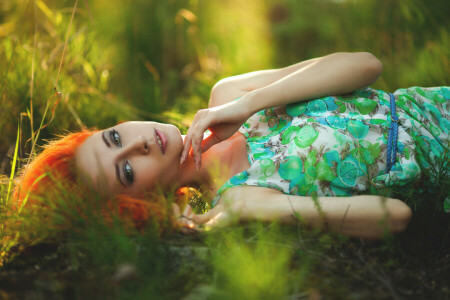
(371, 66)
(374, 65)
(217, 92)
(399, 216)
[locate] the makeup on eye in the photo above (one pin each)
(126, 169)
(118, 175)
(115, 137)
(133, 156)
(128, 172)
(105, 140)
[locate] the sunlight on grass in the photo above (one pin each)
(240, 32)
(253, 268)
(157, 60)
(13, 169)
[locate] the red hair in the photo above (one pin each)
(55, 167)
(55, 162)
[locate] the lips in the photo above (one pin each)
(161, 140)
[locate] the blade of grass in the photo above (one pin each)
(89, 11)
(37, 132)
(13, 167)
(54, 92)
(65, 43)
(32, 72)
(25, 200)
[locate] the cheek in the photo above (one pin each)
(149, 172)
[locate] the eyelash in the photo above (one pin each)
(115, 138)
(128, 172)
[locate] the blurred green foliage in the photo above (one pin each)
(411, 38)
(157, 60)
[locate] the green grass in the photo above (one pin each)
(157, 60)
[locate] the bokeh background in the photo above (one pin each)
(157, 60)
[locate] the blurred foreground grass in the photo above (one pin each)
(157, 60)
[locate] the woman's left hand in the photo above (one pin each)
(223, 121)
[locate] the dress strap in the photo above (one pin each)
(392, 136)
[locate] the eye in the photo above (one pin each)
(128, 172)
(115, 138)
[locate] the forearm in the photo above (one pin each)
(230, 88)
(257, 79)
(360, 216)
(334, 74)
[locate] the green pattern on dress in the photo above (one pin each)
(336, 146)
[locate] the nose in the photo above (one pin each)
(139, 145)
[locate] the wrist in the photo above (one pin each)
(249, 103)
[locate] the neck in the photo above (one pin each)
(219, 163)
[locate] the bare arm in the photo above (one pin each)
(365, 216)
(333, 74)
(230, 88)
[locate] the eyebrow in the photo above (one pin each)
(118, 175)
(105, 139)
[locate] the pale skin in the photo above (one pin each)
(193, 161)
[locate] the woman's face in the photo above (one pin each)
(131, 157)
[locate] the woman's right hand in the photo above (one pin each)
(223, 121)
(191, 223)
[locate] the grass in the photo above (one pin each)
(158, 60)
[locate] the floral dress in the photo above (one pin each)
(336, 146)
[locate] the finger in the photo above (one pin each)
(221, 219)
(186, 147)
(176, 210)
(189, 230)
(185, 221)
(197, 156)
(197, 140)
(188, 211)
(188, 140)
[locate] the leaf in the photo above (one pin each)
(291, 168)
(289, 134)
(365, 106)
(324, 172)
(296, 109)
(312, 157)
(306, 136)
(310, 174)
(358, 129)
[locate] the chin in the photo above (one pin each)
(176, 138)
